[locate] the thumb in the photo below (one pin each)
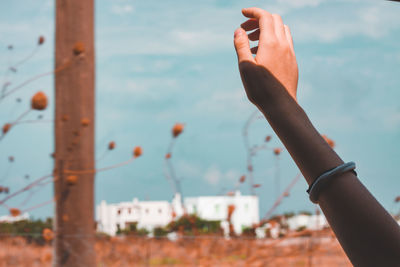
(242, 46)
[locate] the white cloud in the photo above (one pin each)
(300, 3)
(122, 9)
(327, 25)
(188, 169)
(220, 101)
(214, 175)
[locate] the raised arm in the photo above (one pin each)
(367, 233)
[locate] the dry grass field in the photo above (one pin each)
(299, 250)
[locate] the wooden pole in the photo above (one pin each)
(74, 133)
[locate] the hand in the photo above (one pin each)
(274, 53)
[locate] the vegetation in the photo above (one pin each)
(192, 224)
(30, 229)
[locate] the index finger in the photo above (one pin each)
(265, 21)
(254, 12)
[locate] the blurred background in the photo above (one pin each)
(163, 62)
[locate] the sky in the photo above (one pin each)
(163, 62)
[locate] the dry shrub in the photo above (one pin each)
(85, 122)
(6, 127)
(330, 142)
(277, 151)
(111, 145)
(72, 179)
(41, 40)
(47, 234)
(15, 212)
(39, 101)
(177, 129)
(79, 48)
(137, 151)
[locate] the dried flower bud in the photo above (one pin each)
(46, 257)
(177, 129)
(250, 168)
(231, 209)
(330, 142)
(397, 199)
(11, 158)
(111, 145)
(15, 212)
(286, 194)
(72, 179)
(256, 185)
(242, 178)
(47, 234)
(6, 190)
(41, 40)
(39, 101)
(65, 117)
(268, 138)
(65, 218)
(168, 156)
(277, 151)
(85, 122)
(6, 127)
(79, 48)
(1, 189)
(137, 152)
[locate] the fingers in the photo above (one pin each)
(254, 36)
(289, 37)
(242, 46)
(269, 28)
(253, 12)
(264, 19)
(250, 25)
(278, 27)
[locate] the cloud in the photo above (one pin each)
(214, 175)
(122, 9)
(330, 24)
(220, 101)
(300, 3)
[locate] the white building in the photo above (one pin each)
(11, 219)
(151, 214)
(311, 222)
(215, 208)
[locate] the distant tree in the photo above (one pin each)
(249, 232)
(28, 229)
(160, 232)
(192, 224)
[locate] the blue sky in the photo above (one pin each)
(162, 62)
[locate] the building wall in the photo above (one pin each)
(214, 208)
(147, 214)
(151, 214)
(312, 222)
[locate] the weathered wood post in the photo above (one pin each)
(74, 133)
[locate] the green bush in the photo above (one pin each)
(189, 223)
(160, 232)
(31, 230)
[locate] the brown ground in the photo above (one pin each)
(300, 250)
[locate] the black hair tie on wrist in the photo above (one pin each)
(318, 184)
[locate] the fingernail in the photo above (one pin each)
(238, 32)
